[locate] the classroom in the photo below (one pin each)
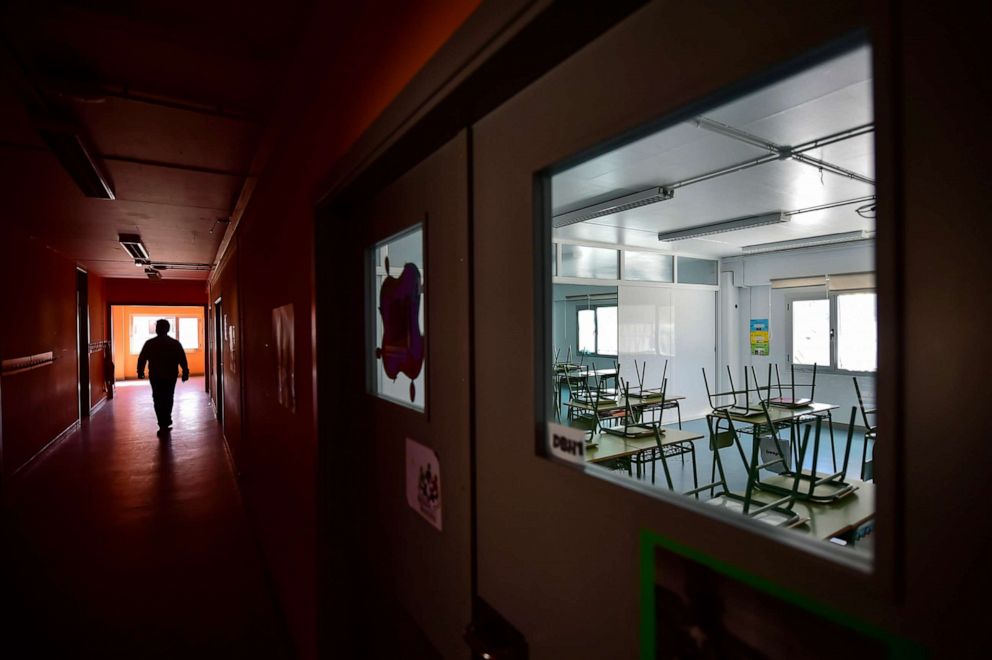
(713, 304)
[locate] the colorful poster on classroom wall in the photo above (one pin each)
(759, 336)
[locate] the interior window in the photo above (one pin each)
(397, 303)
(712, 300)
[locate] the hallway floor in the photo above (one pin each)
(117, 544)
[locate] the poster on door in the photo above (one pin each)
(759, 336)
(423, 482)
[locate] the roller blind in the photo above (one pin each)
(836, 282)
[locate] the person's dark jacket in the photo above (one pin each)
(164, 355)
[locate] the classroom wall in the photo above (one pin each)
(126, 355)
(38, 290)
(656, 324)
(751, 277)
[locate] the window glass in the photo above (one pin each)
(143, 329)
(648, 267)
(587, 331)
(591, 262)
(689, 390)
(856, 331)
(189, 333)
(398, 300)
(606, 330)
(697, 271)
(811, 332)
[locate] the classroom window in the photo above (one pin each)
(648, 266)
(811, 332)
(589, 262)
(698, 271)
(837, 332)
(598, 330)
(189, 333)
(856, 332)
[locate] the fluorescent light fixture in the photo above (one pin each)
(611, 206)
(72, 151)
(734, 224)
(161, 265)
(812, 241)
(133, 246)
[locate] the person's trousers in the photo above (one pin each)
(163, 391)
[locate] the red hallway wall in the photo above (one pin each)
(370, 57)
(38, 289)
(143, 291)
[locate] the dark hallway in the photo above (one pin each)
(122, 545)
(465, 288)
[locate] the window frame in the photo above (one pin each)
(830, 296)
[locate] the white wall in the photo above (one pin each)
(749, 281)
(673, 324)
(655, 324)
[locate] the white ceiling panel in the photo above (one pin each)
(827, 99)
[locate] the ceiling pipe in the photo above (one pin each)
(795, 153)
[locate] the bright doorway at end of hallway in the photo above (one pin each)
(133, 325)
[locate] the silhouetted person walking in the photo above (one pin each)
(164, 355)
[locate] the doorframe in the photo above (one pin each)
(205, 347)
(82, 343)
(218, 348)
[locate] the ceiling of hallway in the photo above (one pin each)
(831, 97)
(172, 97)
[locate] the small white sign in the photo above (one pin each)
(423, 482)
(567, 443)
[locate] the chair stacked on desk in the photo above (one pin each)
(755, 411)
(867, 414)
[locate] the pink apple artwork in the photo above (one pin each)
(402, 349)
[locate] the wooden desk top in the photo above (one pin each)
(620, 403)
(780, 414)
(608, 447)
(827, 520)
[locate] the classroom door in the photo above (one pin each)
(413, 234)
